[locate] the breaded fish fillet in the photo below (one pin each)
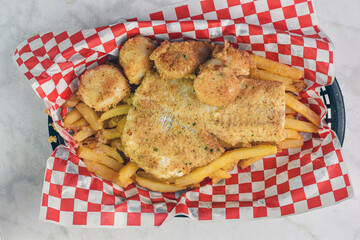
(168, 131)
(164, 133)
(175, 60)
(134, 58)
(103, 87)
(257, 115)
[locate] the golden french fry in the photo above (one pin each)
(291, 84)
(127, 172)
(290, 116)
(47, 111)
(78, 124)
(110, 151)
(228, 145)
(231, 156)
(244, 163)
(152, 177)
(89, 142)
(71, 117)
(292, 143)
(114, 112)
(157, 186)
(276, 67)
(117, 144)
(294, 95)
(90, 154)
(90, 115)
(301, 108)
(229, 167)
(108, 134)
(102, 171)
(72, 101)
(121, 125)
(84, 133)
(254, 73)
(292, 134)
(219, 174)
(301, 126)
(113, 122)
(289, 111)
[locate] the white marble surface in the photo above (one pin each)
(23, 136)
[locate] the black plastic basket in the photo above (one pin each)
(331, 95)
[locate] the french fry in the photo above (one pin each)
(90, 142)
(108, 134)
(90, 115)
(90, 154)
(121, 125)
(78, 124)
(301, 108)
(152, 177)
(241, 153)
(228, 145)
(218, 175)
(292, 143)
(289, 110)
(300, 126)
(102, 171)
(116, 143)
(254, 73)
(229, 167)
(113, 122)
(290, 116)
(84, 133)
(244, 163)
(47, 111)
(294, 95)
(111, 151)
(157, 186)
(276, 67)
(291, 84)
(127, 172)
(114, 112)
(292, 134)
(71, 117)
(72, 101)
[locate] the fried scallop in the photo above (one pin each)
(176, 60)
(240, 61)
(134, 58)
(216, 84)
(103, 87)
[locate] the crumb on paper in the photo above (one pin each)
(53, 126)
(52, 139)
(47, 111)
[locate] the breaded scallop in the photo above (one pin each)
(238, 60)
(175, 60)
(216, 84)
(134, 58)
(103, 87)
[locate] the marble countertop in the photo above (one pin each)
(24, 147)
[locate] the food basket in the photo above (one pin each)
(292, 182)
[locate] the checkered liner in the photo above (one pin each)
(293, 181)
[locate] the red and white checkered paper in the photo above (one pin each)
(293, 181)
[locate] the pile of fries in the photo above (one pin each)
(98, 136)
